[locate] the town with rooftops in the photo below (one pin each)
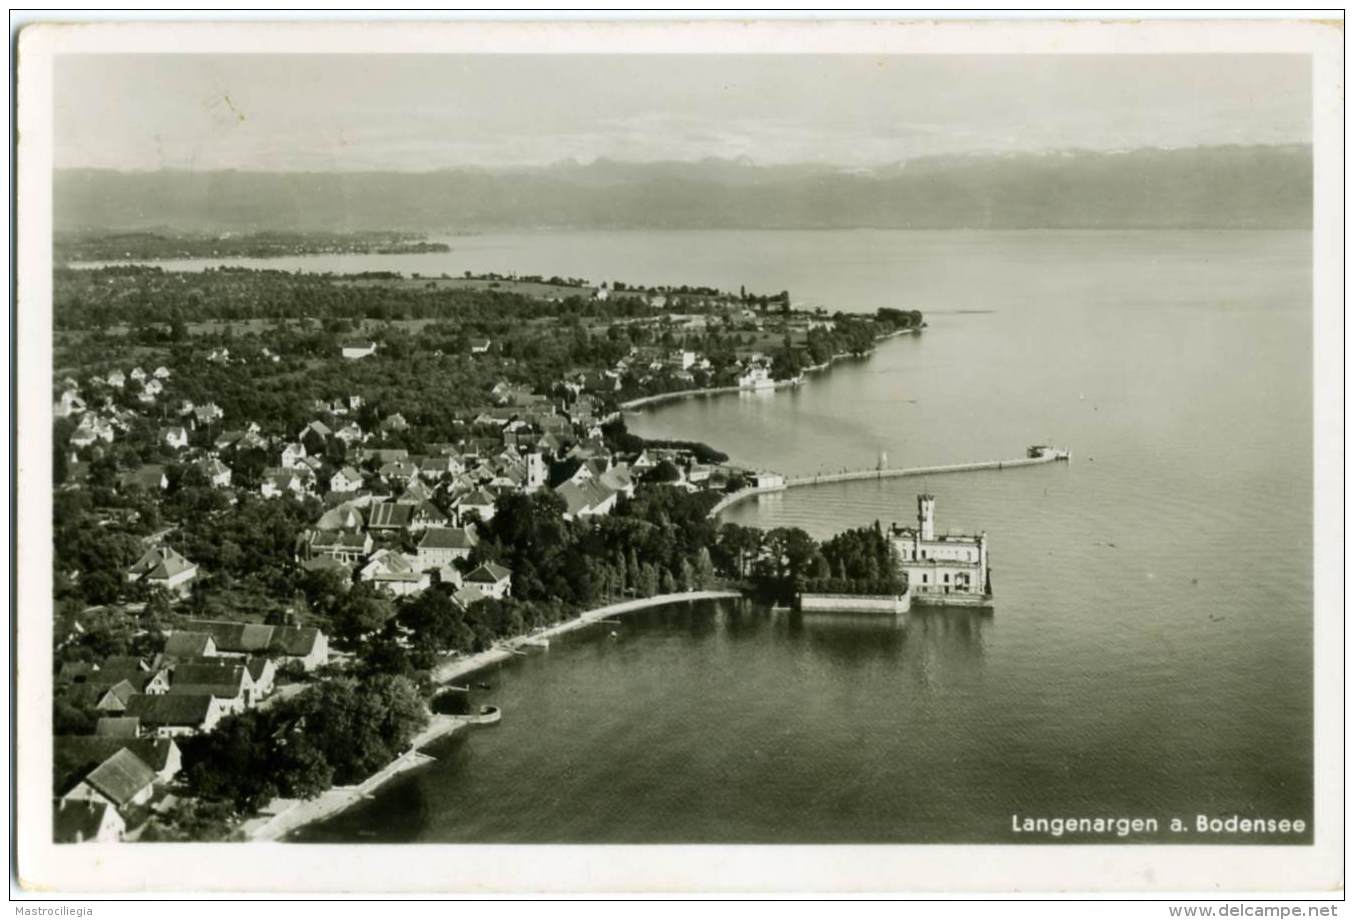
(290, 509)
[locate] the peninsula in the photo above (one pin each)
(289, 507)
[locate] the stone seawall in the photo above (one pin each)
(855, 603)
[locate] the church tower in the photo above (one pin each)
(537, 472)
(926, 517)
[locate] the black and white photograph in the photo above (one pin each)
(723, 438)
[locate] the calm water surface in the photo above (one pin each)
(1150, 651)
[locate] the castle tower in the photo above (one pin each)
(926, 516)
(984, 573)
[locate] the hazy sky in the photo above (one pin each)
(407, 112)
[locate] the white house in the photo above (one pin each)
(217, 473)
(176, 437)
(292, 455)
(84, 821)
(69, 404)
(756, 377)
(479, 502)
(766, 480)
(162, 567)
(276, 482)
(355, 350)
(491, 579)
(588, 498)
(394, 572)
(350, 434)
(346, 479)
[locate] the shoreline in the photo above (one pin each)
(281, 817)
(511, 648)
(285, 816)
(631, 405)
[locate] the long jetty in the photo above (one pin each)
(817, 479)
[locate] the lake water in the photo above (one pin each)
(1150, 651)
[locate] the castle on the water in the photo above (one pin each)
(944, 570)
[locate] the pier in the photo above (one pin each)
(1036, 456)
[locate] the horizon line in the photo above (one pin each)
(741, 162)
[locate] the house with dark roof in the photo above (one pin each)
(228, 682)
(149, 477)
(304, 644)
(76, 672)
(74, 757)
(492, 579)
(174, 714)
(441, 546)
(117, 727)
(390, 516)
(84, 821)
(398, 470)
(426, 515)
(141, 680)
(467, 595)
(120, 780)
(382, 454)
(124, 663)
(314, 435)
(184, 645)
(346, 546)
(163, 567)
(262, 673)
(479, 502)
(444, 464)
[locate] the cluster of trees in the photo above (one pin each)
(620, 440)
(786, 561)
(138, 296)
(658, 541)
(851, 335)
(338, 730)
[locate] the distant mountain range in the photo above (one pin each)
(1254, 186)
